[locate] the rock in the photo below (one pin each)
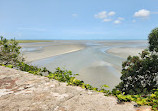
(20, 91)
(144, 108)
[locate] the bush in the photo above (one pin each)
(140, 73)
(9, 52)
(151, 100)
(153, 40)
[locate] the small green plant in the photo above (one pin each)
(150, 100)
(62, 75)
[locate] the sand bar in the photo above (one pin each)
(124, 52)
(33, 51)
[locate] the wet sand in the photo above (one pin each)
(97, 62)
(124, 52)
(37, 51)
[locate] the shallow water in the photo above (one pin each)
(94, 65)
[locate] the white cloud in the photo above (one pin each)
(117, 22)
(104, 14)
(143, 13)
(74, 15)
(107, 17)
(107, 20)
(111, 13)
(101, 15)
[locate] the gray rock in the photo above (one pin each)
(20, 91)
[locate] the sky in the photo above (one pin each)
(78, 19)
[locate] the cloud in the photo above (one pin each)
(107, 17)
(117, 22)
(107, 20)
(104, 14)
(143, 13)
(74, 15)
(101, 15)
(111, 13)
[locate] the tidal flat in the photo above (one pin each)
(97, 62)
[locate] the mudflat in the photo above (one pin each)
(36, 51)
(96, 62)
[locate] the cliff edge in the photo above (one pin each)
(21, 91)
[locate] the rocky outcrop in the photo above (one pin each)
(21, 91)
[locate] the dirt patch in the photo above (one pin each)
(7, 83)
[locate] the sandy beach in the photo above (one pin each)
(96, 62)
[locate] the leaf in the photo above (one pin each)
(105, 86)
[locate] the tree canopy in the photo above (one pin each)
(9, 51)
(153, 40)
(140, 73)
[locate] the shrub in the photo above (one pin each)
(153, 40)
(9, 52)
(151, 100)
(140, 73)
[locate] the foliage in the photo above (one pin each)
(140, 76)
(9, 52)
(61, 75)
(151, 100)
(140, 73)
(153, 40)
(31, 69)
(104, 86)
(67, 76)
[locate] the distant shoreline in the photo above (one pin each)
(33, 41)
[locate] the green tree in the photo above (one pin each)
(9, 52)
(140, 73)
(153, 40)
